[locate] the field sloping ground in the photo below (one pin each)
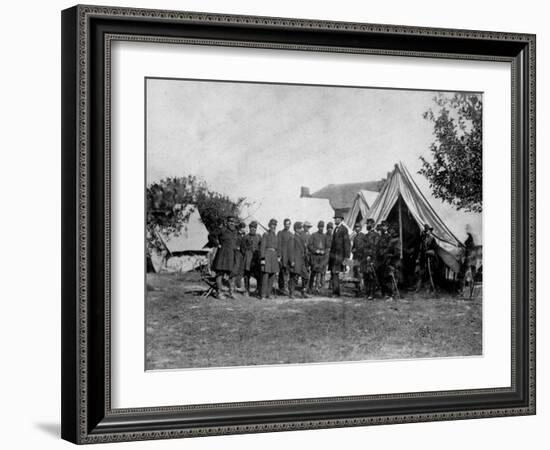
(184, 330)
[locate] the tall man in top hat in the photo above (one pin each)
(283, 237)
(340, 249)
(269, 258)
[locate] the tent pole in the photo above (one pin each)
(400, 227)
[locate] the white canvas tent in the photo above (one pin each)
(401, 190)
(296, 209)
(183, 251)
(360, 208)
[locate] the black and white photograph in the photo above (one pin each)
(299, 224)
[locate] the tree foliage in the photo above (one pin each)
(168, 208)
(455, 174)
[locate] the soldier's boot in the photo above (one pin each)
(246, 286)
(219, 293)
(265, 286)
(291, 287)
(311, 283)
(305, 284)
(270, 285)
(231, 288)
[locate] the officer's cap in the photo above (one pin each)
(321, 223)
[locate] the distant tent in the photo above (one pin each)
(297, 209)
(403, 205)
(185, 250)
(360, 208)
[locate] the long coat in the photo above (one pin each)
(238, 267)
(339, 249)
(369, 250)
(318, 247)
(270, 252)
(250, 247)
(297, 255)
(283, 238)
(224, 261)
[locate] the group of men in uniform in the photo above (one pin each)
(300, 259)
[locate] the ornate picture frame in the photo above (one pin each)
(87, 35)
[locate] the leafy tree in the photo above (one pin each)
(168, 201)
(455, 174)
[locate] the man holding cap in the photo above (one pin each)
(339, 251)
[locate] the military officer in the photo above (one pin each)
(318, 247)
(368, 259)
(339, 251)
(384, 258)
(224, 261)
(356, 249)
(250, 247)
(270, 256)
(330, 230)
(283, 237)
(297, 256)
(425, 262)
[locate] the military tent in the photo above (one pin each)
(185, 250)
(360, 207)
(402, 204)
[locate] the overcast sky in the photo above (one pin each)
(264, 141)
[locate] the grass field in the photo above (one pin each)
(185, 330)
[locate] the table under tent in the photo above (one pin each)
(406, 209)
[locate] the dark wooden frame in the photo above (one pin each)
(87, 32)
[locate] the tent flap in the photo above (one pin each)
(401, 183)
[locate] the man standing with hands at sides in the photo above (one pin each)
(224, 261)
(269, 259)
(339, 251)
(297, 256)
(356, 250)
(318, 247)
(330, 230)
(368, 259)
(250, 247)
(283, 237)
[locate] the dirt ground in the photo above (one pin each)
(185, 330)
